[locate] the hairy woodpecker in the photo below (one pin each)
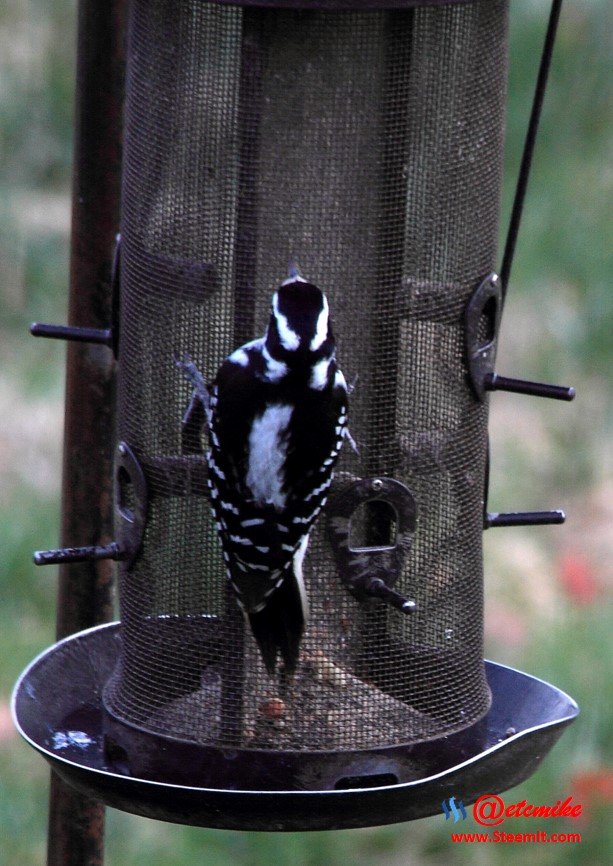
(277, 416)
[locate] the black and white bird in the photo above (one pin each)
(277, 415)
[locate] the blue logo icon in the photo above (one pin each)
(450, 807)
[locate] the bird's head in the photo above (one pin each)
(299, 330)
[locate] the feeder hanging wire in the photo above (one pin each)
(531, 134)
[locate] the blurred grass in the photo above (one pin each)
(557, 326)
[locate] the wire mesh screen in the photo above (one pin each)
(366, 146)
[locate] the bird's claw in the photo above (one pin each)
(194, 377)
(352, 441)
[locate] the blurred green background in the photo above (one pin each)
(547, 589)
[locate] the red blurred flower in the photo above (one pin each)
(577, 577)
(593, 786)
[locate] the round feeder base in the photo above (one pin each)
(58, 709)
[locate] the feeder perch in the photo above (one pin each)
(363, 140)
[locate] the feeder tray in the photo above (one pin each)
(57, 708)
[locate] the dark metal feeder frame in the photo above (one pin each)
(365, 141)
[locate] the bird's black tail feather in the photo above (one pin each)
(278, 628)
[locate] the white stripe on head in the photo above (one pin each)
(290, 340)
(321, 331)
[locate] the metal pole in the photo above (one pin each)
(76, 823)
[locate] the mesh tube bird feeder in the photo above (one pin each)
(365, 141)
(335, 138)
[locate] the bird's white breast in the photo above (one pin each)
(267, 453)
